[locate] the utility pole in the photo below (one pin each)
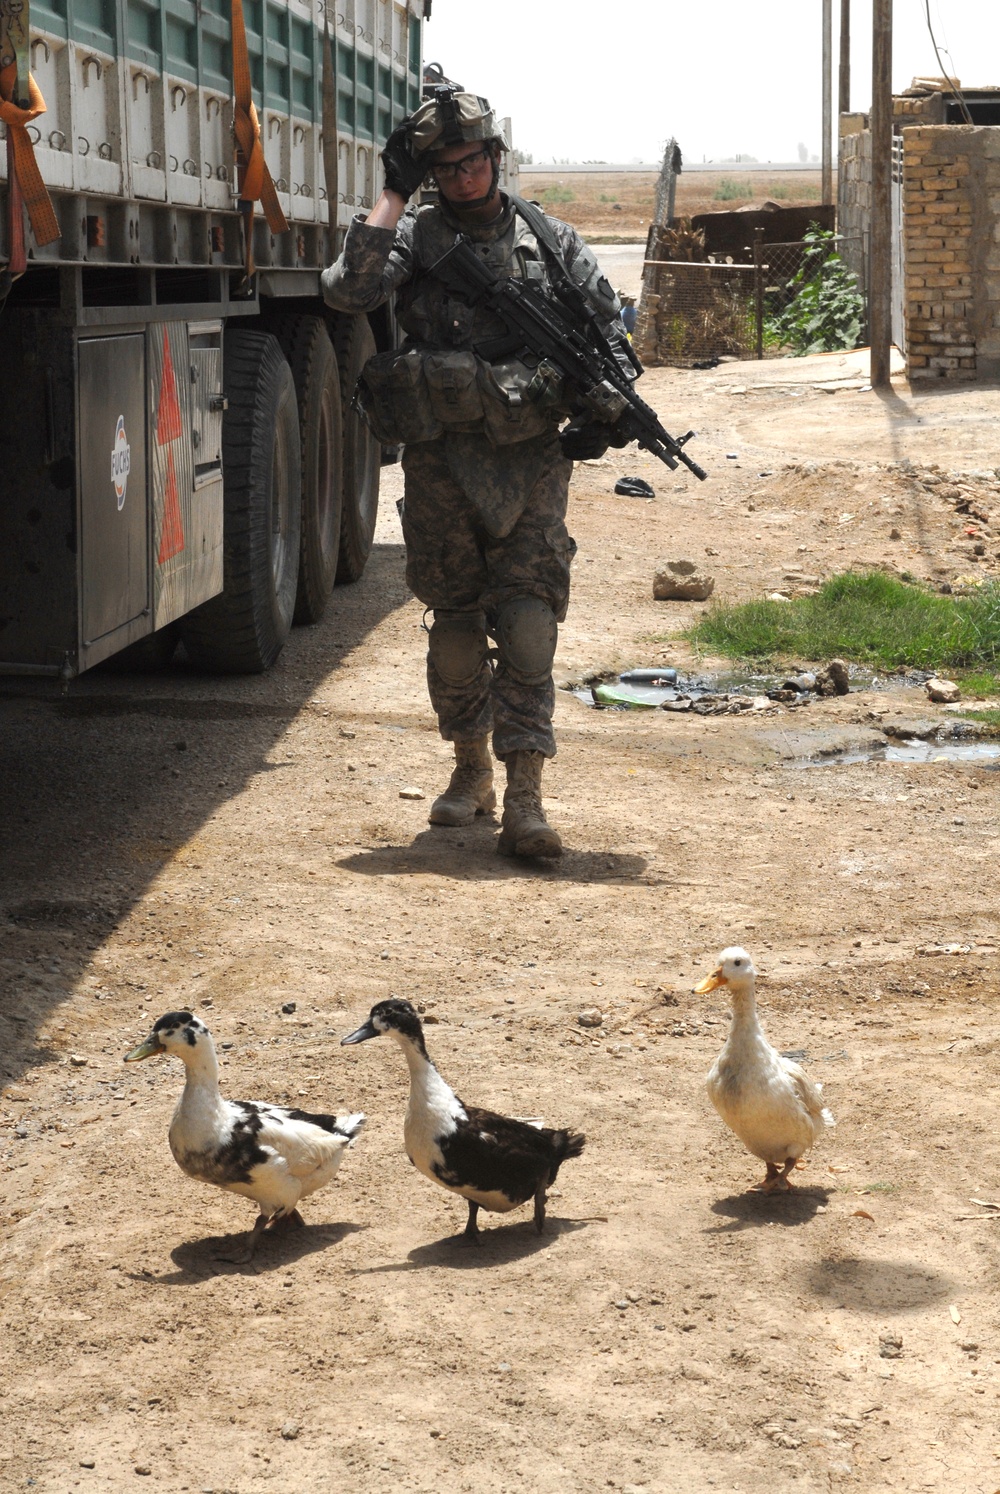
(880, 279)
(826, 191)
(845, 58)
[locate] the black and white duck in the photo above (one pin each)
(492, 1161)
(268, 1153)
(773, 1106)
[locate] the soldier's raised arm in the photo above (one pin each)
(377, 256)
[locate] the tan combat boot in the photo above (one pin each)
(525, 830)
(470, 791)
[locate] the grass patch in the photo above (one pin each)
(729, 190)
(557, 194)
(980, 682)
(867, 617)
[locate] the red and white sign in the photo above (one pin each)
(121, 462)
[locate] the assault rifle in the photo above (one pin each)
(561, 328)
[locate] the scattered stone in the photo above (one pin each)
(833, 680)
(942, 692)
(288, 1007)
(290, 1431)
(894, 534)
(591, 1016)
(908, 727)
(78, 1061)
(144, 1469)
(88, 1462)
(679, 581)
(622, 1305)
(350, 735)
(412, 793)
(890, 1346)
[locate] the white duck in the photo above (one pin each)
(772, 1105)
(265, 1152)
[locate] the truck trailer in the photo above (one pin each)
(179, 459)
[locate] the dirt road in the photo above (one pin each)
(234, 846)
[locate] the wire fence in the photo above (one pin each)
(691, 314)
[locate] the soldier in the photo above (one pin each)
(486, 470)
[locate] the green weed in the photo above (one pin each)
(824, 308)
(557, 194)
(729, 190)
(867, 617)
(980, 682)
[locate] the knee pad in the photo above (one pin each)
(457, 646)
(526, 634)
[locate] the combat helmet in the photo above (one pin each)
(452, 117)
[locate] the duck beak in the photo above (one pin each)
(363, 1033)
(711, 982)
(148, 1049)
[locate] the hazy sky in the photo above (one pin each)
(596, 82)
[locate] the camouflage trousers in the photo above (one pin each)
(456, 564)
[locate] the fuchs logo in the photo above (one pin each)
(121, 462)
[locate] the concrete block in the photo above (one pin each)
(943, 362)
(939, 256)
(915, 360)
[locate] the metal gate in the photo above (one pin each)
(898, 262)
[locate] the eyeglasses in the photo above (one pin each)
(448, 171)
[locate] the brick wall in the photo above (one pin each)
(854, 192)
(951, 242)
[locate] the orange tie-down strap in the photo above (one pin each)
(41, 213)
(255, 182)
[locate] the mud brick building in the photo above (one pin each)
(946, 221)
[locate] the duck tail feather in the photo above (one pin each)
(569, 1144)
(351, 1125)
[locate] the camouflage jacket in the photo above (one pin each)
(377, 262)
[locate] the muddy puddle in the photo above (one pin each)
(909, 752)
(667, 689)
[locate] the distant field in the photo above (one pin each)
(619, 205)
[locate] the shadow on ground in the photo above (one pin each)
(104, 782)
(498, 1246)
(754, 1209)
(470, 855)
(878, 1285)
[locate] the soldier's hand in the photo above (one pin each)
(403, 171)
(585, 440)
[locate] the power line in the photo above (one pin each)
(953, 82)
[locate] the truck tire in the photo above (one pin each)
(354, 345)
(242, 630)
(306, 344)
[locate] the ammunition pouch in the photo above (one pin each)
(416, 395)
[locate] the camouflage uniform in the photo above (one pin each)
(483, 522)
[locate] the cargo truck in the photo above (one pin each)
(178, 454)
